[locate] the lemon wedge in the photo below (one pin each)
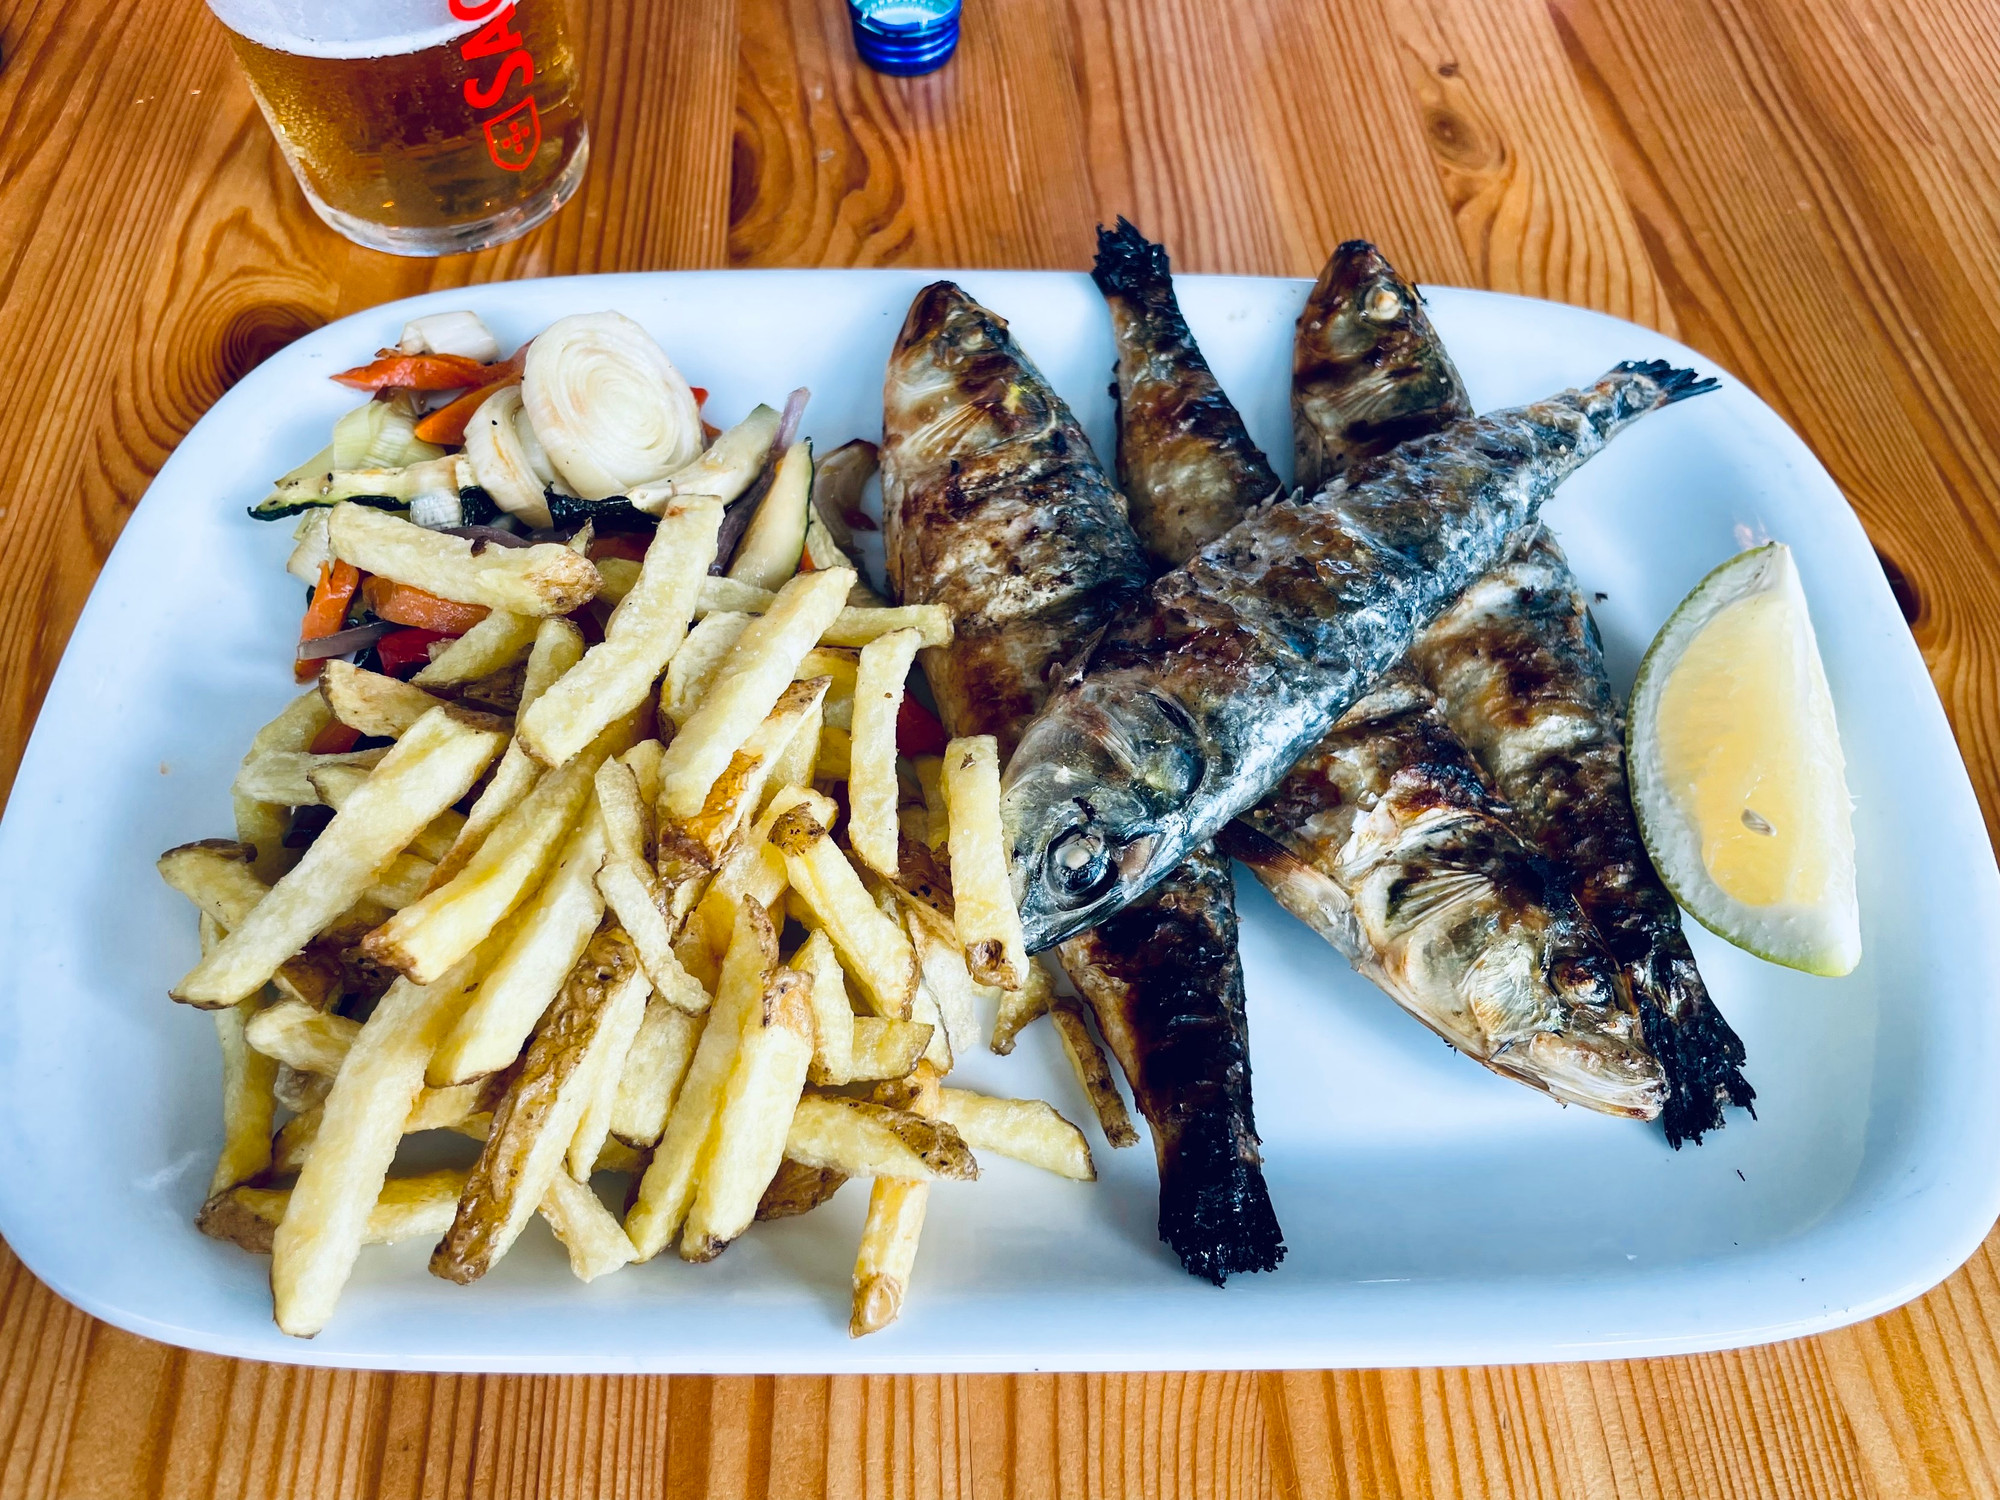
(1736, 770)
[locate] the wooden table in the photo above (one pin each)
(1807, 190)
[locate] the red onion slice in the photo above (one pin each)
(493, 534)
(342, 642)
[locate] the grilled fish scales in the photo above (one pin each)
(1518, 664)
(1198, 699)
(994, 504)
(1384, 838)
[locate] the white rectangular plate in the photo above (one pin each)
(1435, 1213)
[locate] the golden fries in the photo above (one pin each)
(668, 1188)
(1019, 1007)
(494, 644)
(872, 787)
(896, 1211)
(1025, 1129)
(1093, 1072)
(654, 1067)
(857, 627)
(284, 777)
(407, 1208)
(885, 1049)
(692, 670)
(430, 768)
(865, 1139)
(535, 1122)
(756, 1115)
(989, 923)
(547, 579)
(873, 947)
(371, 702)
(748, 685)
(617, 675)
(262, 825)
(797, 1189)
(248, 1078)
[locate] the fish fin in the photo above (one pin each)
(1215, 1209)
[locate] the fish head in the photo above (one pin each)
(1094, 806)
(957, 384)
(1368, 369)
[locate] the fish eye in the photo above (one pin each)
(1384, 305)
(1079, 865)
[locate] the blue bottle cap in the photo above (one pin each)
(904, 37)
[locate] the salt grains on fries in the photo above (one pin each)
(581, 967)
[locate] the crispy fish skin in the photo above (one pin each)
(1410, 386)
(1518, 664)
(1384, 838)
(994, 504)
(1369, 372)
(1181, 443)
(1196, 701)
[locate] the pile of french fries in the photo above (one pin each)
(564, 933)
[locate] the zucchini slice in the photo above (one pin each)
(770, 550)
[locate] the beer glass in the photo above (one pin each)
(420, 127)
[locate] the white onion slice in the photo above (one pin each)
(450, 333)
(608, 404)
(500, 463)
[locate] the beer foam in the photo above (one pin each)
(350, 29)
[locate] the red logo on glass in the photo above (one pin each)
(513, 133)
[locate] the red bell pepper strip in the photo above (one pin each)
(918, 731)
(336, 739)
(402, 604)
(630, 545)
(420, 372)
(405, 651)
(337, 583)
(446, 425)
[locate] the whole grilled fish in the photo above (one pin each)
(1519, 666)
(1197, 700)
(1522, 673)
(994, 504)
(1384, 838)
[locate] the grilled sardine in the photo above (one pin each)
(1519, 667)
(1384, 838)
(994, 504)
(1195, 702)
(1516, 665)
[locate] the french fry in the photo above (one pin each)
(690, 847)
(589, 1231)
(865, 1139)
(535, 1122)
(654, 1068)
(335, 784)
(547, 579)
(628, 832)
(1025, 1129)
(429, 936)
(872, 789)
(748, 1141)
(841, 666)
(752, 678)
(263, 825)
(885, 1049)
(942, 965)
(550, 939)
(989, 923)
(630, 890)
(796, 762)
(642, 634)
(833, 1013)
(1093, 1072)
(361, 1124)
(616, 1032)
(872, 947)
(834, 755)
(407, 1208)
(1019, 1007)
(888, 1252)
(857, 627)
(400, 882)
(693, 668)
(930, 776)
(248, 1103)
(372, 702)
(301, 1093)
(284, 777)
(667, 1190)
(496, 643)
(312, 1041)
(924, 1012)
(851, 627)
(798, 1189)
(618, 576)
(426, 771)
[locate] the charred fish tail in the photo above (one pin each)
(1699, 1051)
(1629, 390)
(1128, 264)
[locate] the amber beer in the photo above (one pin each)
(420, 127)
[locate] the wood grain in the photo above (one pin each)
(1807, 190)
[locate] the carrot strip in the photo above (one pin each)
(401, 604)
(446, 425)
(419, 372)
(337, 583)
